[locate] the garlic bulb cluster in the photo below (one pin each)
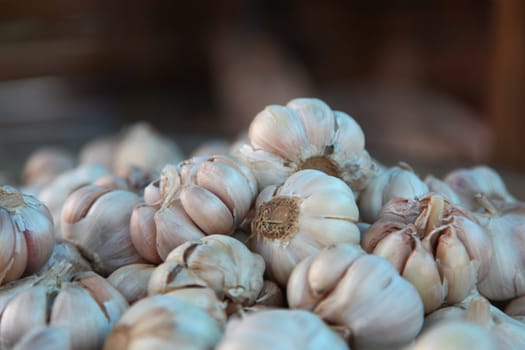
(310, 211)
(200, 196)
(361, 293)
(44, 164)
(164, 322)
(394, 182)
(26, 234)
(132, 281)
(96, 220)
(306, 134)
(280, 329)
(219, 262)
(58, 301)
(439, 247)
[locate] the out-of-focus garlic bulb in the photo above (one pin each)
(280, 329)
(55, 194)
(143, 146)
(394, 182)
(96, 220)
(45, 337)
(310, 211)
(44, 164)
(164, 322)
(509, 333)
(219, 262)
(200, 196)
(84, 304)
(99, 151)
(440, 187)
(439, 247)
(456, 335)
(211, 148)
(361, 293)
(306, 134)
(26, 234)
(469, 182)
(130, 178)
(132, 281)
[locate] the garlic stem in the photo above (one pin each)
(487, 204)
(10, 198)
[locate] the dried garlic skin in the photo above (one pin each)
(26, 234)
(359, 292)
(309, 211)
(306, 134)
(437, 246)
(280, 329)
(164, 322)
(96, 220)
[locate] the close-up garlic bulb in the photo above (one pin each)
(437, 246)
(96, 220)
(164, 322)
(361, 294)
(306, 134)
(280, 329)
(310, 211)
(26, 234)
(219, 262)
(200, 196)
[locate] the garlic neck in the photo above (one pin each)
(485, 203)
(10, 198)
(277, 219)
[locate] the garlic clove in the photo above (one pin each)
(132, 281)
(143, 232)
(348, 136)
(397, 247)
(205, 298)
(7, 243)
(152, 194)
(268, 168)
(206, 210)
(18, 264)
(45, 338)
(170, 276)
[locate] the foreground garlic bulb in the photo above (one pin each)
(310, 211)
(96, 220)
(164, 322)
(280, 329)
(469, 182)
(360, 293)
(219, 262)
(201, 196)
(440, 248)
(395, 182)
(83, 304)
(26, 234)
(306, 134)
(45, 338)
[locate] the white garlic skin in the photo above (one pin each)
(280, 329)
(45, 338)
(310, 211)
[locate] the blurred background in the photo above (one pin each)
(439, 84)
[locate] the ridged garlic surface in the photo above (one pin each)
(361, 293)
(26, 234)
(132, 281)
(280, 329)
(201, 196)
(164, 322)
(437, 246)
(306, 134)
(310, 211)
(394, 182)
(219, 262)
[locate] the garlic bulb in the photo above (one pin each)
(96, 220)
(219, 262)
(55, 194)
(200, 196)
(45, 338)
(469, 182)
(26, 234)
(306, 134)
(205, 298)
(164, 322)
(280, 329)
(211, 147)
(44, 164)
(442, 188)
(129, 178)
(132, 281)
(58, 301)
(456, 335)
(440, 248)
(516, 309)
(394, 182)
(99, 151)
(359, 292)
(310, 211)
(509, 333)
(65, 251)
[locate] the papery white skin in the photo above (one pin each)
(206, 299)
(284, 138)
(325, 213)
(442, 188)
(360, 292)
(55, 338)
(164, 322)
(280, 329)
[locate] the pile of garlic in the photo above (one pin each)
(294, 237)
